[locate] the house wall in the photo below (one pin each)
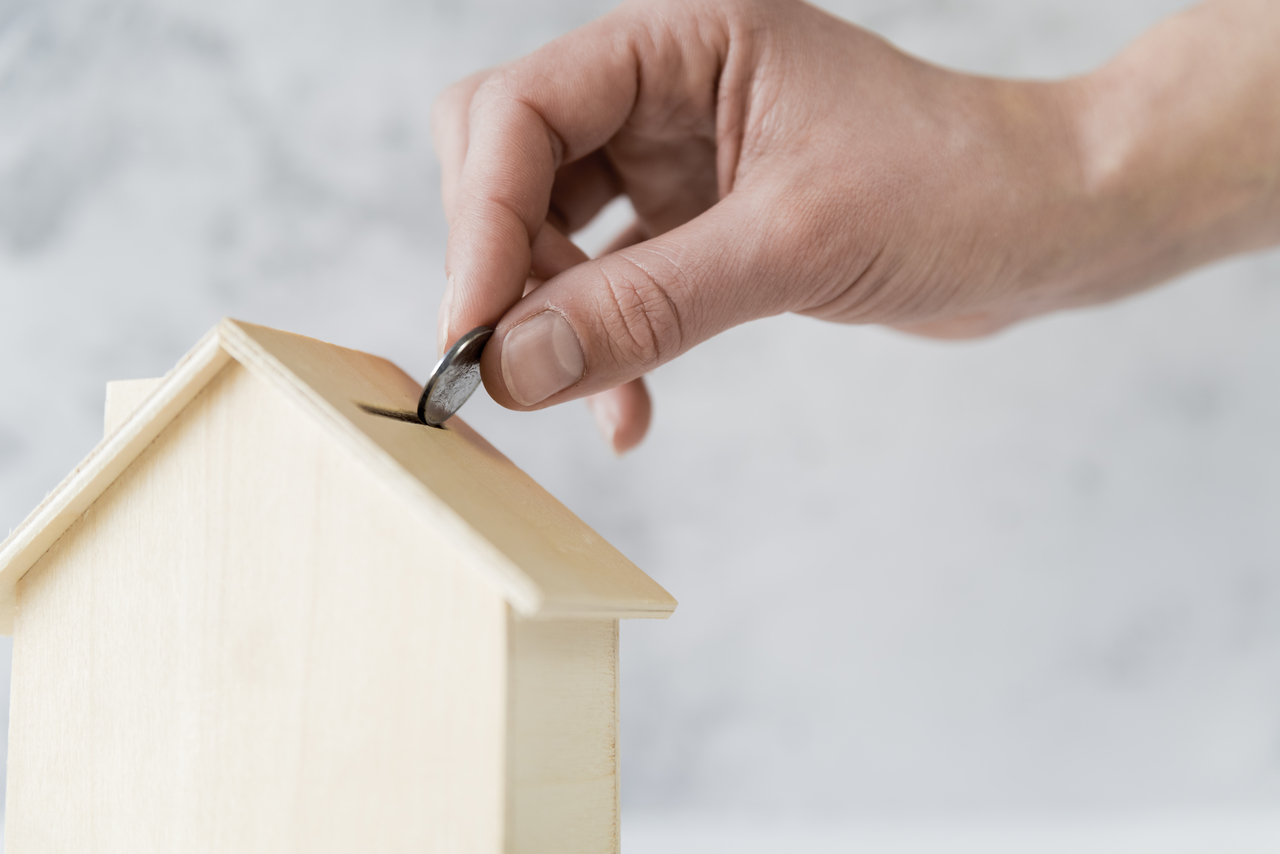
(245, 645)
(562, 766)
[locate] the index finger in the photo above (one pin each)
(554, 106)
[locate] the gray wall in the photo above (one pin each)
(1035, 572)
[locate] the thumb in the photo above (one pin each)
(605, 322)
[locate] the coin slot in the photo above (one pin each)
(398, 415)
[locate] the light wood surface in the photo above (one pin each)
(124, 397)
(261, 618)
(250, 643)
(562, 763)
(542, 559)
(104, 464)
(546, 560)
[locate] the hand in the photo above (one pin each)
(779, 159)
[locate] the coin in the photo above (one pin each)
(453, 379)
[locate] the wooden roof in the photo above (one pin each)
(545, 561)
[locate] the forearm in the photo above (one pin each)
(1180, 140)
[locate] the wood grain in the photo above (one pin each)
(124, 397)
(546, 560)
(104, 464)
(562, 763)
(249, 643)
(542, 559)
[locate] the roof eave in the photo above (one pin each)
(79, 489)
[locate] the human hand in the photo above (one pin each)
(779, 159)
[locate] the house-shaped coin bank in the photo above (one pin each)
(261, 618)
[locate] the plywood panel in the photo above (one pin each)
(564, 568)
(125, 397)
(542, 559)
(563, 778)
(247, 644)
(117, 450)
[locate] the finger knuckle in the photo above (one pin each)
(506, 88)
(642, 320)
(451, 106)
(496, 85)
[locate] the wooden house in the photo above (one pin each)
(262, 617)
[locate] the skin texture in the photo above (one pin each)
(782, 160)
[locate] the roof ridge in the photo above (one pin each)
(518, 589)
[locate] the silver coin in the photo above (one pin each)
(453, 379)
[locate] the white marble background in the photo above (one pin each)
(1036, 574)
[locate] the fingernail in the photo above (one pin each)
(540, 357)
(608, 418)
(442, 327)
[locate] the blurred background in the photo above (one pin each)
(960, 594)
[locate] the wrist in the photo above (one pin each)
(1179, 146)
